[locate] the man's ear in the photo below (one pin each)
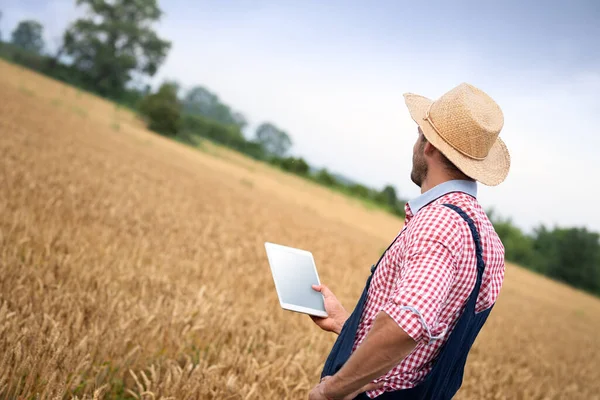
(429, 149)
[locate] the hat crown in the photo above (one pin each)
(467, 119)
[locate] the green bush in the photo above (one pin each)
(162, 110)
(324, 177)
(398, 209)
(250, 148)
(217, 132)
(359, 191)
(292, 164)
(518, 246)
(226, 135)
(570, 255)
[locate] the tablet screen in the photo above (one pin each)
(294, 274)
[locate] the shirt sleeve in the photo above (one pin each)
(427, 271)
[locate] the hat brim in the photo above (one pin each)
(490, 171)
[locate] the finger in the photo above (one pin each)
(325, 378)
(321, 288)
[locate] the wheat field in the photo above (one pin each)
(132, 266)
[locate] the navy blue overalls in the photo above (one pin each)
(446, 376)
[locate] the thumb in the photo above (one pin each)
(323, 289)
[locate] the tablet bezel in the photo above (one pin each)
(287, 306)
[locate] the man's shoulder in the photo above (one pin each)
(475, 211)
(436, 221)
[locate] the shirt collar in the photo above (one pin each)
(457, 185)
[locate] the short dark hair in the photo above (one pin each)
(449, 165)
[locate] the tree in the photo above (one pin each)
(114, 41)
(275, 141)
(163, 109)
(201, 101)
(359, 190)
(388, 196)
(571, 255)
(518, 247)
(28, 36)
(296, 165)
(324, 177)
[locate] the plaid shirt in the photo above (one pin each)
(424, 279)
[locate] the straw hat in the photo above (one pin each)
(464, 125)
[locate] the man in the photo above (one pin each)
(433, 288)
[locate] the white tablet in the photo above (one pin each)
(294, 272)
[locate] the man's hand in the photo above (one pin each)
(337, 315)
(319, 391)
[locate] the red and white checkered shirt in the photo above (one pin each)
(426, 276)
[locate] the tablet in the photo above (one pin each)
(294, 272)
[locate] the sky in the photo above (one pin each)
(332, 75)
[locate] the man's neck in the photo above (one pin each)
(432, 181)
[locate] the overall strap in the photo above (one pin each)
(478, 253)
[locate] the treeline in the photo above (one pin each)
(570, 255)
(103, 52)
(199, 113)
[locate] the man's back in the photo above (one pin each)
(436, 242)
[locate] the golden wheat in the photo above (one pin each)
(133, 267)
